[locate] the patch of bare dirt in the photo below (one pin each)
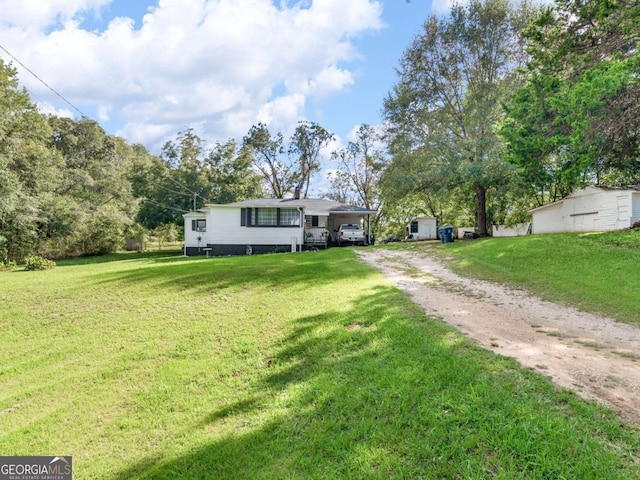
(597, 357)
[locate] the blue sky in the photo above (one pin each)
(147, 69)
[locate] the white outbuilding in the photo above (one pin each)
(591, 209)
(422, 228)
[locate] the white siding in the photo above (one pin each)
(635, 207)
(228, 230)
(191, 236)
(589, 210)
(518, 230)
(549, 219)
(622, 210)
(427, 228)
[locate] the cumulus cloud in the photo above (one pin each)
(221, 64)
(439, 7)
(36, 14)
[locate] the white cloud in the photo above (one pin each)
(211, 62)
(48, 109)
(439, 7)
(37, 14)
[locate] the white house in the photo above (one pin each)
(266, 225)
(591, 209)
(422, 228)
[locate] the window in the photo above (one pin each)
(266, 216)
(414, 227)
(290, 216)
(199, 225)
(269, 217)
(312, 220)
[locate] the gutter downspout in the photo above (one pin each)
(302, 224)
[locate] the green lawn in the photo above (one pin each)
(596, 272)
(277, 366)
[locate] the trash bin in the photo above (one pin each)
(446, 233)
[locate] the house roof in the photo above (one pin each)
(311, 206)
(194, 215)
(587, 191)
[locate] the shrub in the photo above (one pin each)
(8, 265)
(36, 262)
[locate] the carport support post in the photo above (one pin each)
(368, 229)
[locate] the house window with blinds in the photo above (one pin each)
(289, 217)
(269, 217)
(266, 217)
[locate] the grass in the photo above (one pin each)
(594, 272)
(276, 366)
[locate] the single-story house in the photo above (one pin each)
(591, 209)
(422, 228)
(266, 225)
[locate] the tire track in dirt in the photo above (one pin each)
(597, 357)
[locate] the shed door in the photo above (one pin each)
(624, 211)
(583, 214)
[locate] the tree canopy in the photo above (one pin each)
(442, 110)
(576, 120)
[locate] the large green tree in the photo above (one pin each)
(29, 170)
(306, 144)
(576, 121)
(442, 110)
(229, 173)
(283, 169)
(277, 171)
(95, 201)
(189, 174)
(359, 168)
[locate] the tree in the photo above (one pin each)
(360, 166)
(278, 173)
(188, 175)
(576, 120)
(96, 202)
(442, 110)
(229, 172)
(29, 169)
(307, 142)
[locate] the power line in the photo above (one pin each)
(168, 189)
(180, 210)
(44, 83)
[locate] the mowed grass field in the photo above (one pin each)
(277, 366)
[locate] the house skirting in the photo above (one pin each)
(224, 250)
(194, 251)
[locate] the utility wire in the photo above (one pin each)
(165, 206)
(86, 116)
(169, 190)
(45, 83)
(182, 186)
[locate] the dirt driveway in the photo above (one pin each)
(596, 357)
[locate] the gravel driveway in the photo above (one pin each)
(596, 357)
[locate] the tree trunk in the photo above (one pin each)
(481, 210)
